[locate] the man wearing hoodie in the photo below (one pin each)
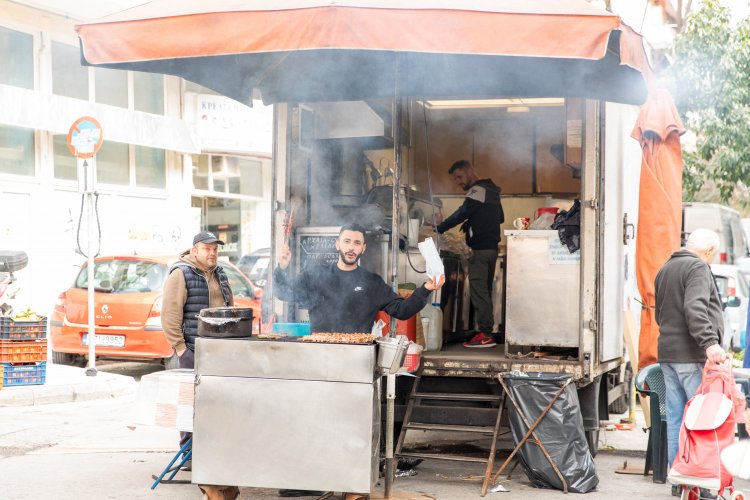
(195, 282)
(691, 324)
(481, 214)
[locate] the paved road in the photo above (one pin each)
(86, 450)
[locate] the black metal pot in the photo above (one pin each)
(225, 322)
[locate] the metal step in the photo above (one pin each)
(436, 456)
(456, 397)
(449, 428)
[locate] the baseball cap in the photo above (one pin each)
(206, 237)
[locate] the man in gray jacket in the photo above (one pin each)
(691, 324)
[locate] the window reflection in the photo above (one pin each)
(17, 55)
(16, 150)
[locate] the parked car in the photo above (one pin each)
(726, 222)
(127, 298)
(733, 287)
(255, 266)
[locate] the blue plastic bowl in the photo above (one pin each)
(294, 329)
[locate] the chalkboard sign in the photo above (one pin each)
(316, 249)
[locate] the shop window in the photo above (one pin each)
(17, 55)
(251, 177)
(148, 93)
(69, 78)
(200, 171)
(16, 151)
(150, 167)
(227, 174)
(65, 163)
(112, 164)
(221, 170)
(111, 87)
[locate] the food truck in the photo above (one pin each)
(558, 311)
(371, 108)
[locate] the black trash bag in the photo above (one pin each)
(560, 431)
(568, 225)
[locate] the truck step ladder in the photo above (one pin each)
(416, 399)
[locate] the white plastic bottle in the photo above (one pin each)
(434, 335)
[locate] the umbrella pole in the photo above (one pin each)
(390, 465)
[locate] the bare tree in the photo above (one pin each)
(676, 14)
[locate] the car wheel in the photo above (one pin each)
(733, 347)
(64, 358)
(621, 404)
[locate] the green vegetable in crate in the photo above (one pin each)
(27, 315)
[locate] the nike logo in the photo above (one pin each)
(358, 289)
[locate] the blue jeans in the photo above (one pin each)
(681, 380)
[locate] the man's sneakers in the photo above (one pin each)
(480, 340)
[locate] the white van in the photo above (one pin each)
(725, 221)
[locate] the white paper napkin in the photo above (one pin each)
(432, 259)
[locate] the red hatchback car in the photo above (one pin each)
(127, 302)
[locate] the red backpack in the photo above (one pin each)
(708, 426)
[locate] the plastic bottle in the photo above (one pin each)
(434, 335)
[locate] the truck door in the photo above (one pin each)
(619, 159)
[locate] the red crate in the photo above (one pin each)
(22, 330)
(24, 374)
(23, 351)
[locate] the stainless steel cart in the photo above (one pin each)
(278, 414)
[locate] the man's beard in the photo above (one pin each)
(346, 260)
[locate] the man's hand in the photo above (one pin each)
(438, 217)
(431, 286)
(285, 256)
(716, 354)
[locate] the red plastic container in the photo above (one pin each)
(545, 210)
(23, 351)
(403, 327)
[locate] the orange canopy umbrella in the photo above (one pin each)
(658, 129)
(303, 50)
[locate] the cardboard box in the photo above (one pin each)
(165, 399)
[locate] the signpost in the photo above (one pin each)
(84, 141)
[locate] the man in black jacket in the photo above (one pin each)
(481, 214)
(344, 297)
(691, 324)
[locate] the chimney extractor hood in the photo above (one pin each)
(348, 119)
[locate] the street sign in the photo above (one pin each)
(85, 137)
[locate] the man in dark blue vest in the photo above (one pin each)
(200, 283)
(195, 282)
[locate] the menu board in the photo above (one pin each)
(317, 249)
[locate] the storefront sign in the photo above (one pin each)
(225, 125)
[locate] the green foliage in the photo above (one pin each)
(710, 84)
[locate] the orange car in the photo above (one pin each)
(127, 304)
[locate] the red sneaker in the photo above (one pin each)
(480, 340)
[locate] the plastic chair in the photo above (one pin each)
(650, 382)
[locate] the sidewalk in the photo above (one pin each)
(65, 384)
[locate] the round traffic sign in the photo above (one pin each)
(85, 137)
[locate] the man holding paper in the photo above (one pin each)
(481, 214)
(344, 297)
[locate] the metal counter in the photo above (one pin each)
(286, 415)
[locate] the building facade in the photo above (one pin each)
(176, 159)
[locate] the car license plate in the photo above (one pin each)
(106, 340)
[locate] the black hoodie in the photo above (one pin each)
(688, 309)
(483, 214)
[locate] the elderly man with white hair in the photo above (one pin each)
(689, 314)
